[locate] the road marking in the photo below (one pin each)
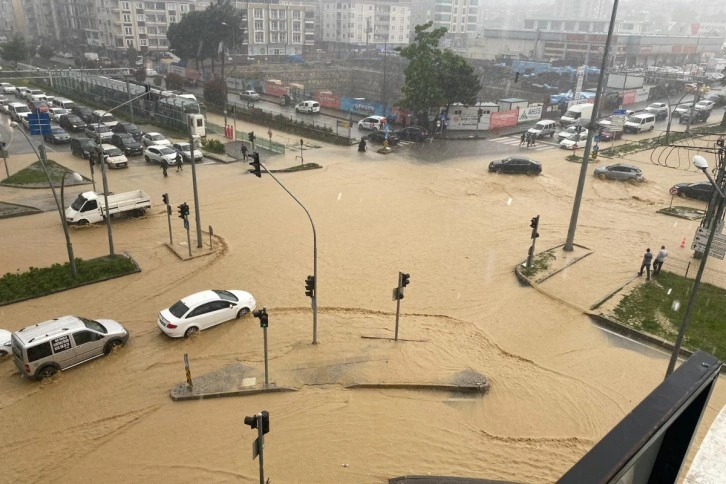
(340, 195)
(541, 146)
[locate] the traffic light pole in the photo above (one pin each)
(264, 334)
(197, 220)
(314, 302)
(168, 218)
(261, 444)
(398, 307)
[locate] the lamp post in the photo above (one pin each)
(64, 223)
(224, 81)
(76, 177)
(700, 163)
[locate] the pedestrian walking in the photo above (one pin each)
(521, 140)
(658, 263)
(534, 139)
(179, 162)
(529, 140)
(647, 258)
(244, 152)
(164, 166)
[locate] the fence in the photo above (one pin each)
(260, 142)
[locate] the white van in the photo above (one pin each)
(544, 127)
(64, 103)
(638, 123)
(578, 112)
(41, 350)
(308, 107)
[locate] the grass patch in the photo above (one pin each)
(652, 309)
(540, 263)
(36, 282)
(573, 157)
(306, 166)
(689, 213)
(35, 175)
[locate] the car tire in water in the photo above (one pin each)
(190, 331)
(46, 372)
(242, 312)
(602, 176)
(111, 345)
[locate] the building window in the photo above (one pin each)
(556, 25)
(257, 13)
(273, 38)
(569, 26)
(283, 26)
(140, 18)
(184, 7)
(296, 14)
(127, 18)
(584, 27)
(125, 5)
(529, 24)
(296, 26)
(142, 42)
(172, 19)
(142, 30)
(273, 13)
(129, 42)
(128, 31)
(295, 38)
(171, 6)
(283, 38)
(259, 25)
(259, 37)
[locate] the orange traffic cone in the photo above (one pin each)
(683, 243)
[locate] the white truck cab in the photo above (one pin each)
(90, 207)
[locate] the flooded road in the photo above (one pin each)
(558, 383)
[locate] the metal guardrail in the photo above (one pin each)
(260, 142)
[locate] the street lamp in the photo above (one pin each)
(224, 81)
(702, 164)
(76, 177)
(64, 223)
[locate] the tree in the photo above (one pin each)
(15, 50)
(214, 91)
(158, 80)
(46, 52)
(131, 55)
(434, 77)
(174, 81)
(139, 74)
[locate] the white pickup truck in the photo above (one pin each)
(90, 207)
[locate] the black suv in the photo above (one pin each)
(82, 147)
(128, 128)
(413, 133)
(126, 143)
(83, 112)
(699, 116)
(71, 122)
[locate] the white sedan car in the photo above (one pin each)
(5, 349)
(186, 151)
(204, 310)
(56, 113)
(574, 141)
(150, 139)
(155, 154)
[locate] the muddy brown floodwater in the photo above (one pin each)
(558, 383)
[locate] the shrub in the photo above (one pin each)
(214, 146)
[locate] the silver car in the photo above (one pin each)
(619, 171)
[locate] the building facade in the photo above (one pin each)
(278, 29)
(365, 23)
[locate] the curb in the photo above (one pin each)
(235, 393)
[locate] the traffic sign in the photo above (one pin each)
(39, 123)
(674, 191)
(620, 111)
(718, 244)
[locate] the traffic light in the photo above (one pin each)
(265, 417)
(310, 287)
(182, 212)
(261, 314)
(405, 279)
(251, 136)
(256, 165)
(251, 421)
(165, 197)
(535, 225)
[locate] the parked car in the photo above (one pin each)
(705, 104)
(380, 136)
(100, 133)
(57, 135)
(114, 156)
(56, 113)
(203, 310)
(46, 348)
(20, 92)
(156, 153)
(128, 128)
(699, 190)
(83, 147)
(413, 133)
(372, 122)
(5, 337)
(569, 131)
(82, 112)
(619, 171)
(35, 95)
(574, 141)
(4, 105)
(543, 127)
(126, 143)
(699, 116)
(151, 139)
(71, 122)
(311, 107)
(660, 110)
(7, 88)
(516, 164)
(681, 108)
(186, 151)
(249, 95)
(18, 111)
(607, 135)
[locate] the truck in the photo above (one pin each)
(579, 113)
(91, 56)
(90, 207)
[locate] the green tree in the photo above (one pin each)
(15, 50)
(46, 51)
(131, 55)
(139, 74)
(174, 81)
(434, 77)
(214, 91)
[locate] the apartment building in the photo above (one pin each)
(364, 23)
(278, 29)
